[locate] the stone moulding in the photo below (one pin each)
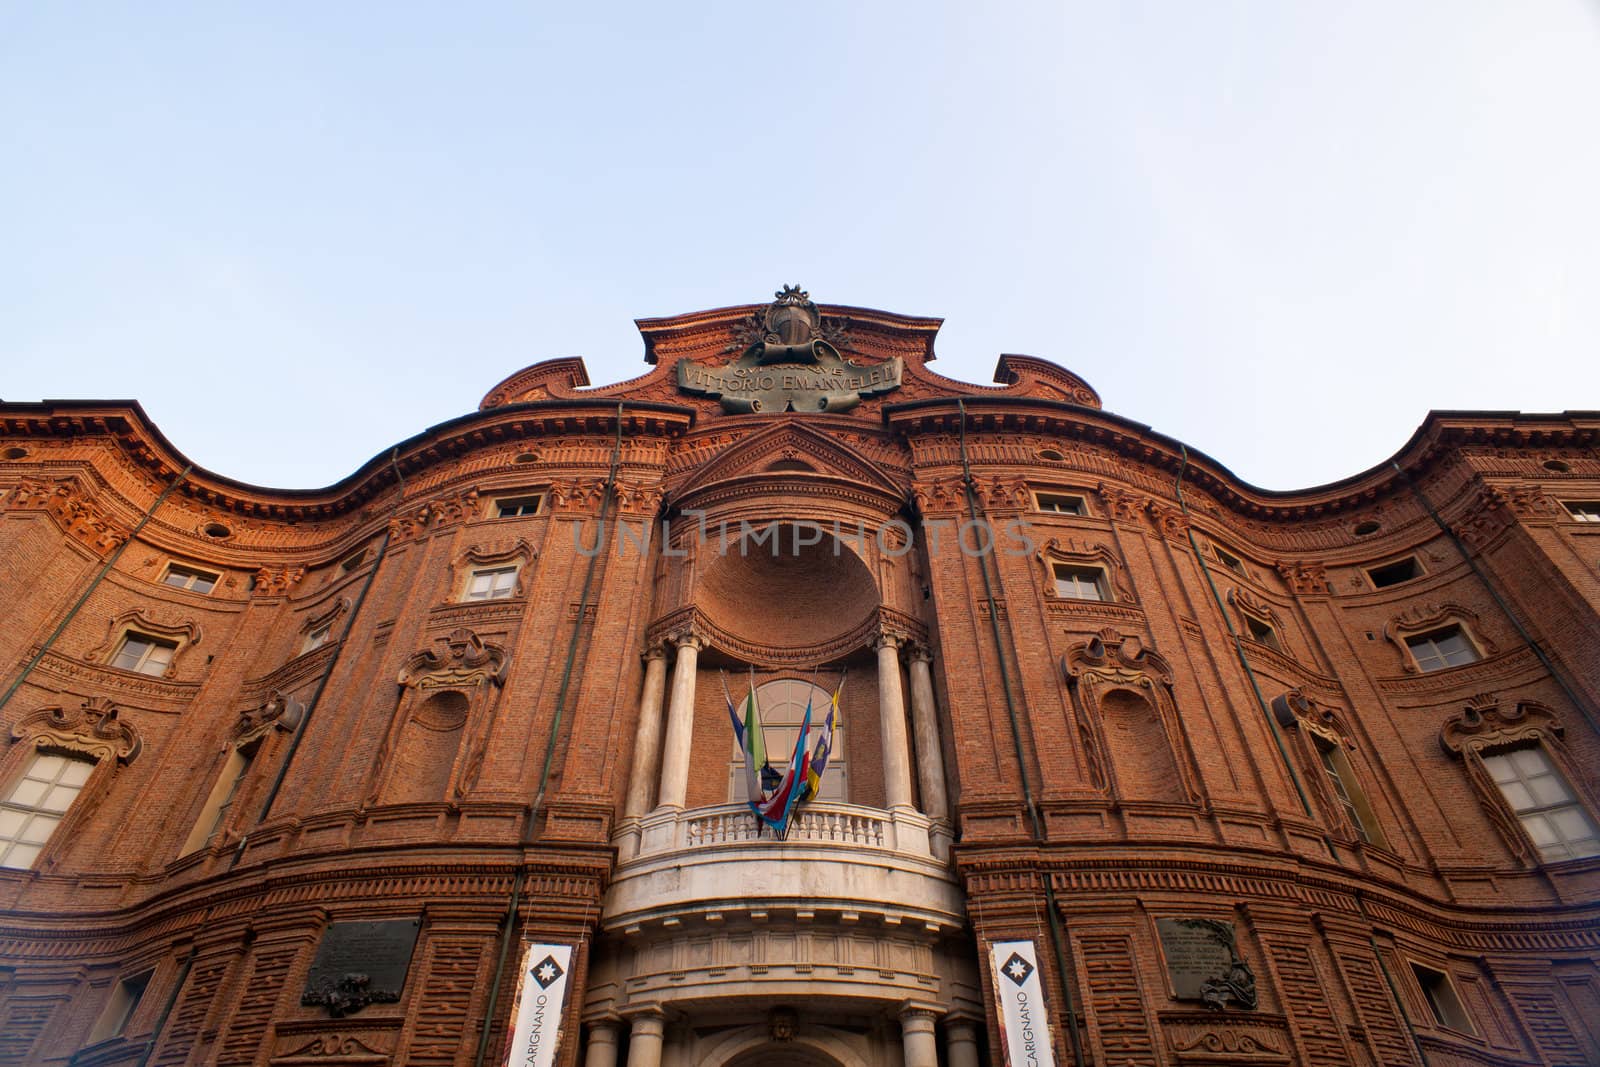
(94, 728)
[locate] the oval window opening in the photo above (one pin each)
(216, 529)
(1368, 527)
(1549, 465)
(16, 453)
(1050, 454)
(526, 457)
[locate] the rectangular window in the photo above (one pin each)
(1544, 803)
(1394, 573)
(1440, 994)
(352, 561)
(317, 638)
(1583, 510)
(119, 1009)
(1438, 649)
(36, 805)
(1229, 560)
(1080, 583)
(1347, 790)
(494, 583)
(147, 655)
(514, 506)
(1261, 631)
(214, 816)
(1060, 503)
(181, 577)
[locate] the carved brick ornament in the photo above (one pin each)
(93, 728)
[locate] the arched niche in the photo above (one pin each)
(427, 749)
(786, 593)
(1141, 753)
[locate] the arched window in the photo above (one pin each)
(783, 708)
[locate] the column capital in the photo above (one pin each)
(654, 650)
(687, 639)
(918, 652)
(651, 1020)
(888, 639)
(918, 1018)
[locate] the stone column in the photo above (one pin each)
(892, 720)
(925, 725)
(647, 738)
(680, 726)
(644, 1041)
(916, 1036)
(602, 1048)
(961, 1044)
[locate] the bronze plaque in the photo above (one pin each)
(361, 963)
(1196, 951)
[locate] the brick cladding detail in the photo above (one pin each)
(1372, 1000)
(1116, 1005)
(202, 987)
(1308, 1005)
(445, 1001)
(1549, 1029)
(21, 1027)
(242, 1046)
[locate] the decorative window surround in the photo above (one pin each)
(322, 624)
(181, 634)
(1486, 728)
(1428, 619)
(1324, 749)
(1115, 587)
(1060, 503)
(491, 555)
(183, 576)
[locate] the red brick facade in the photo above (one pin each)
(1183, 735)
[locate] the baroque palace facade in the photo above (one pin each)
(1135, 764)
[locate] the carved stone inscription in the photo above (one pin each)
(361, 963)
(1203, 964)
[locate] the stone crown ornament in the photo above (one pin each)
(790, 362)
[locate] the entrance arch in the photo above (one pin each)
(754, 1046)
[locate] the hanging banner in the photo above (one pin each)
(1020, 994)
(541, 996)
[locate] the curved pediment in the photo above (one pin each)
(791, 449)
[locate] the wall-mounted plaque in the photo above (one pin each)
(361, 963)
(1203, 964)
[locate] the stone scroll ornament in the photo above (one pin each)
(790, 362)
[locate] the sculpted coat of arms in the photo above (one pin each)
(789, 362)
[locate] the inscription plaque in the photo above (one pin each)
(361, 963)
(1203, 964)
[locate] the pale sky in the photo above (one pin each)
(299, 233)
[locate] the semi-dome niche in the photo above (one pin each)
(789, 592)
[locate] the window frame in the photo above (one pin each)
(120, 1007)
(130, 635)
(192, 573)
(514, 569)
(1078, 571)
(1572, 801)
(1229, 559)
(29, 811)
(1446, 1012)
(1261, 631)
(310, 642)
(1430, 637)
(838, 769)
(1582, 510)
(498, 505)
(1417, 571)
(1079, 502)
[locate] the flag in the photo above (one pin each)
(749, 736)
(819, 755)
(780, 804)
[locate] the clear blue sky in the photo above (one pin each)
(298, 233)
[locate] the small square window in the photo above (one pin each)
(1229, 560)
(119, 1009)
(146, 655)
(317, 638)
(181, 577)
(1262, 632)
(1440, 994)
(1401, 570)
(1080, 583)
(1438, 649)
(1060, 503)
(495, 583)
(352, 561)
(1583, 510)
(516, 506)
